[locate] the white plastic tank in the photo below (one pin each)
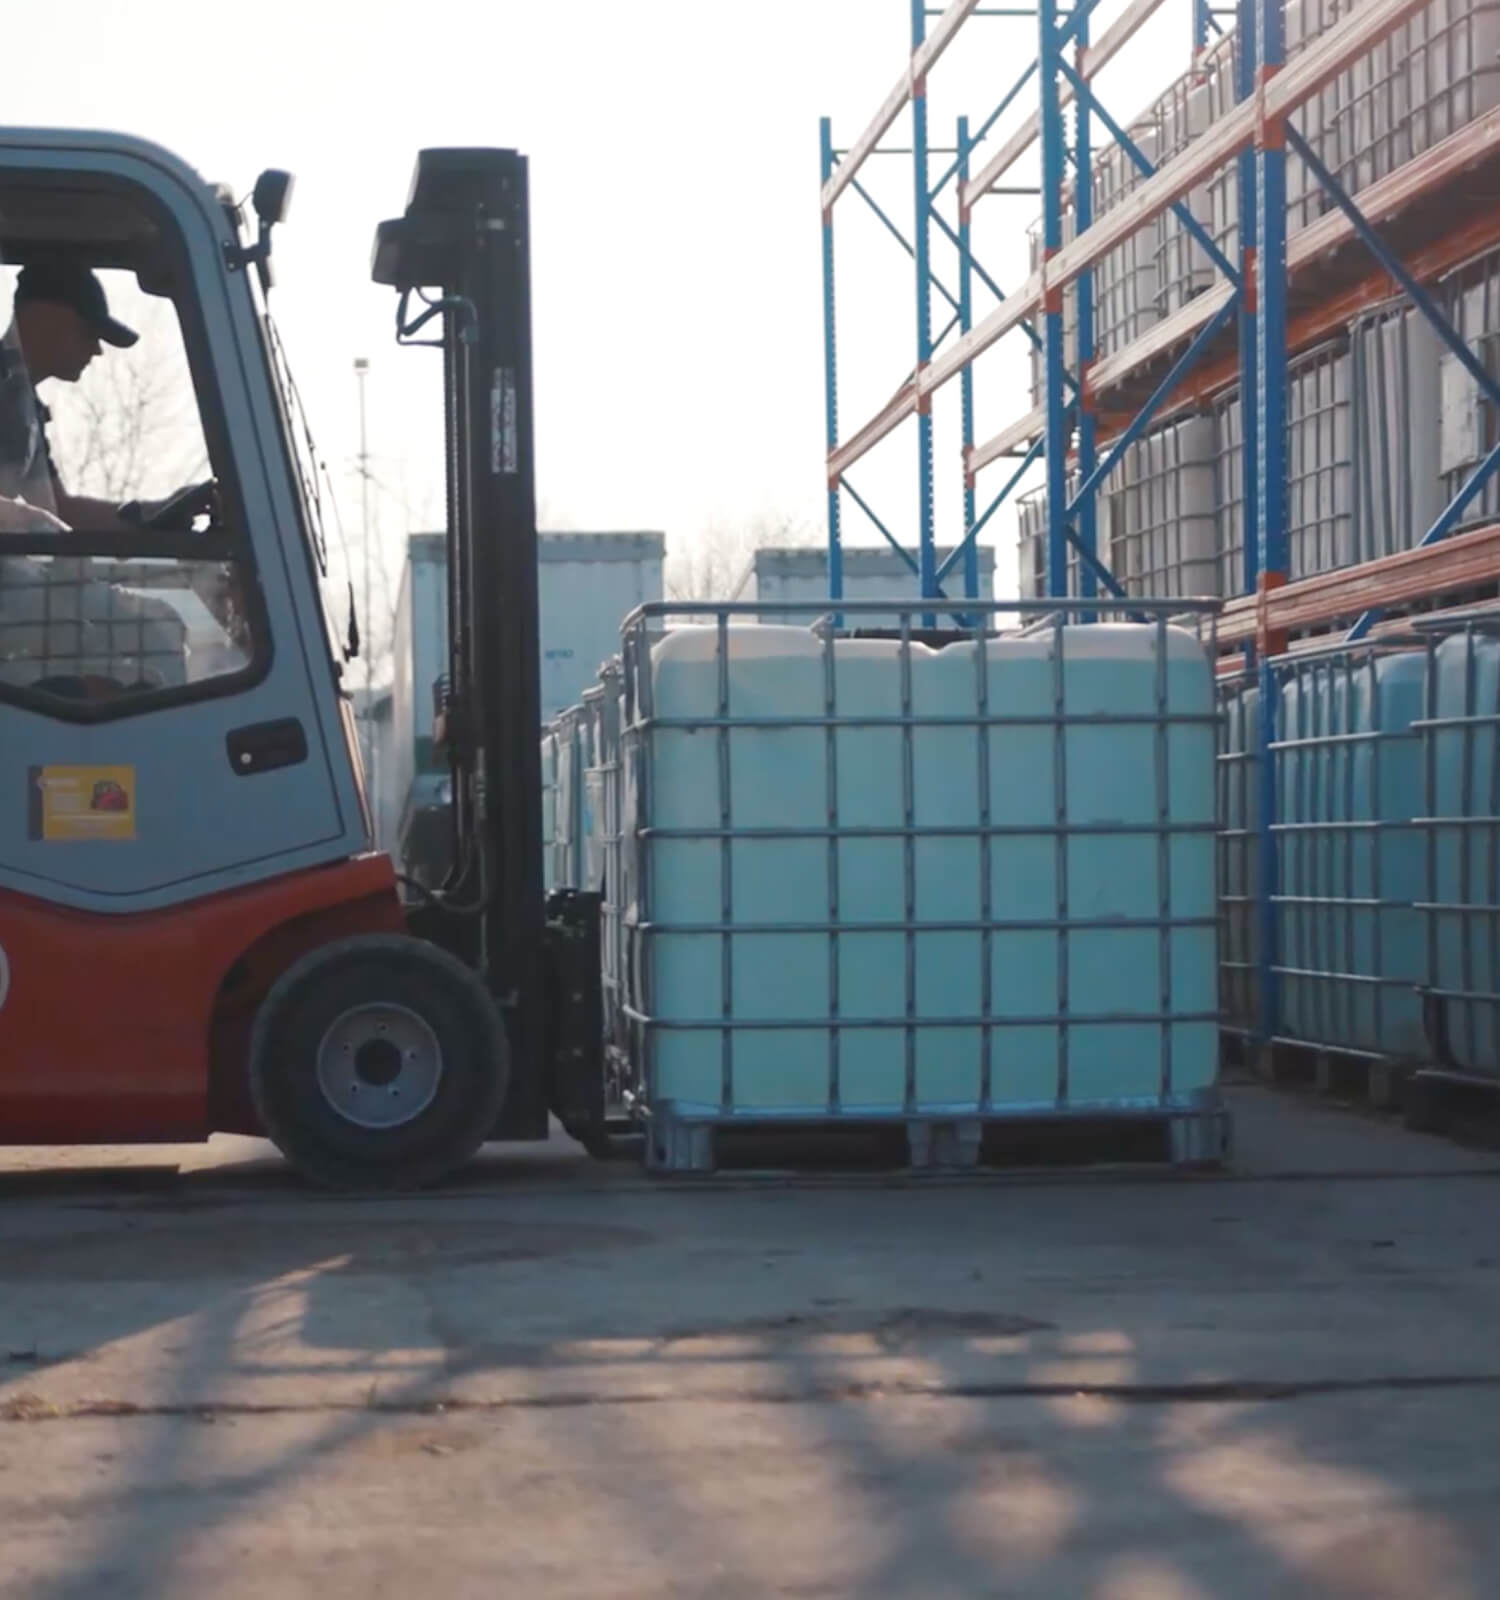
(1033, 536)
(1218, 69)
(1350, 856)
(1069, 303)
(1395, 356)
(1320, 489)
(1102, 821)
(567, 837)
(1184, 268)
(1463, 808)
(1125, 282)
(549, 810)
(1239, 853)
(1229, 490)
(1452, 68)
(1466, 428)
(1164, 533)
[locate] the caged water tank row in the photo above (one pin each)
(1437, 71)
(1461, 834)
(1386, 843)
(868, 877)
(1384, 425)
(1346, 768)
(576, 752)
(1156, 528)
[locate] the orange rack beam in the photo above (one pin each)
(1461, 561)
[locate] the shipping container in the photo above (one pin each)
(778, 575)
(588, 583)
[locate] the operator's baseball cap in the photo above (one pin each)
(75, 286)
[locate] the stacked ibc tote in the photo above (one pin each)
(934, 884)
(1260, 324)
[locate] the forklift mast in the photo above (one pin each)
(462, 251)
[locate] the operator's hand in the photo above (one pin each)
(18, 516)
(174, 513)
(137, 513)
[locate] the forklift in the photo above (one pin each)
(196, 932)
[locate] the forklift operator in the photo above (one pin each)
(59, 623)
(60, 318)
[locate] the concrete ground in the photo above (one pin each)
(562, 1379)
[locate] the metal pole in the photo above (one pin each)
(923, 206)
(1245, 42)
(966, 321)
(1270, 318)
(1083, 215)
(361, 373)
(1054, 176)
(830, 372)
(1270, 329)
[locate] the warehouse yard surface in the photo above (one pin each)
(556, 1378)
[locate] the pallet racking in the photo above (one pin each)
(1275, 294)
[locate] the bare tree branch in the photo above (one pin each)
(712, 565)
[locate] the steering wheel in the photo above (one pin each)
(175, 514)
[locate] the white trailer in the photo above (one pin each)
(782, 574)
(588, 583)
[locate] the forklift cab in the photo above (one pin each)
(178, 651)
(196, 932)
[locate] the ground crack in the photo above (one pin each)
(36, 1408)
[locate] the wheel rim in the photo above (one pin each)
(379, 1066)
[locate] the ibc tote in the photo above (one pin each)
(1461, 828)
(1349, 854)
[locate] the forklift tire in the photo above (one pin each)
(378, 1063)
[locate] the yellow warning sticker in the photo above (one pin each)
(70, 803)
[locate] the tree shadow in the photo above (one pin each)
(957, 1493)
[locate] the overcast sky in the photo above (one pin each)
(676, 241)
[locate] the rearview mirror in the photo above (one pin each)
(272, 196)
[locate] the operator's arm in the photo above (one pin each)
(16, 516)
(88, 515)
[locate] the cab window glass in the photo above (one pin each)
(124, 575)
(129, 428)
